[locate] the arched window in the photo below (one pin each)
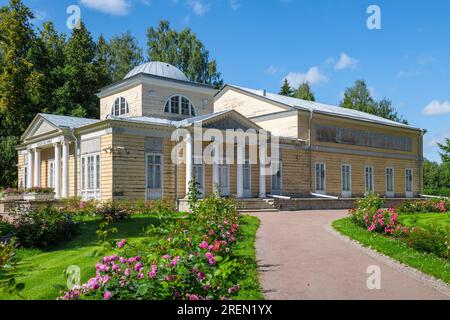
(180, 105)
(120, 107)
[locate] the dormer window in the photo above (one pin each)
(180, 105)
(120, 107)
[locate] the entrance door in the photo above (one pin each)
(277, 181)
(154, 190)
(224, 180)
(247, 179)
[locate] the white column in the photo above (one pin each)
(240, 170)
(37, 167)
(262, 171)
(57, 173)
(65, 170)
(215, 172)
(189, 168)
(29, 182)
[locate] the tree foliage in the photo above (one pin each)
(360, 98)
(445, 151)
(304, 92)
(286, 89)
(124, 54)
(183, 50)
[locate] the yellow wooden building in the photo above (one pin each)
(129, 153)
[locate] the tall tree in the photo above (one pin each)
(83, 76)
(359, 98)
(183, 50)
(286, 89)
(124, 54)
(304, 92)
(445, 151)
(102, 60)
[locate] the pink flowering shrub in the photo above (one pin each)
(425, 206)
(190, 259)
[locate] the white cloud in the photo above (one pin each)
(436, 107)
(313, 76)
(113, 7)
(235, 5)
(345, 62)
(198, 7)
(274, 70)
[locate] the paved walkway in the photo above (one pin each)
(300, 260)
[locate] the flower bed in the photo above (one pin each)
(12, 194)
(191, 259)
(39, 194)
(429, 206)
(369, 215)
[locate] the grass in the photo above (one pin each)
(427, 263)
(250, 286)
(434, 220)
(41, 270)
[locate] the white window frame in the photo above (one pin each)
(160, 192)
(346, 193)
(119, 113)
(202, 183)
(324, 191)
(409, 193)
(88, 193)
(192, 108)
(228, 191)
(373, 179)
(390, 193)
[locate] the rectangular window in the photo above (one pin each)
(409, 181)
(175, 105)
(154, 176)
(369, 182)
(346, 179)
(198, 175)
(390, 181)
(90, 176)
(320, 177)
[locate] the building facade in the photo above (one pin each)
(145, 145)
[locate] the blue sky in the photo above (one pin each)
(259, 43)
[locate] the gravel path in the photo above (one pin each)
(301, 258)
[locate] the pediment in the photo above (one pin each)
(230, 120)
(39, 127)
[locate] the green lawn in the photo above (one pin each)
(435, 220)
(428, 263)
(41, 270)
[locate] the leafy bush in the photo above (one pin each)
(7, 252)
(13, 191)
(191, 259)
(113, 211)
(5, 228)
(43, 227)
(442, 192)
(425, 206)
(429, 241)
(365, 209)
(77, 206)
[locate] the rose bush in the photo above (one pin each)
(426, 206)
(190, 259)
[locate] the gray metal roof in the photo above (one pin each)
(323, 108)
(67, 122)
(157, 68)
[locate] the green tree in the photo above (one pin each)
(184, 51)
(124, 54)
(359, 98)
(304, 92)
(431, 175)
(102, 60)
(19, 81)
(83, 76)
(445, 151)
(8, 161)
(286, 89)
